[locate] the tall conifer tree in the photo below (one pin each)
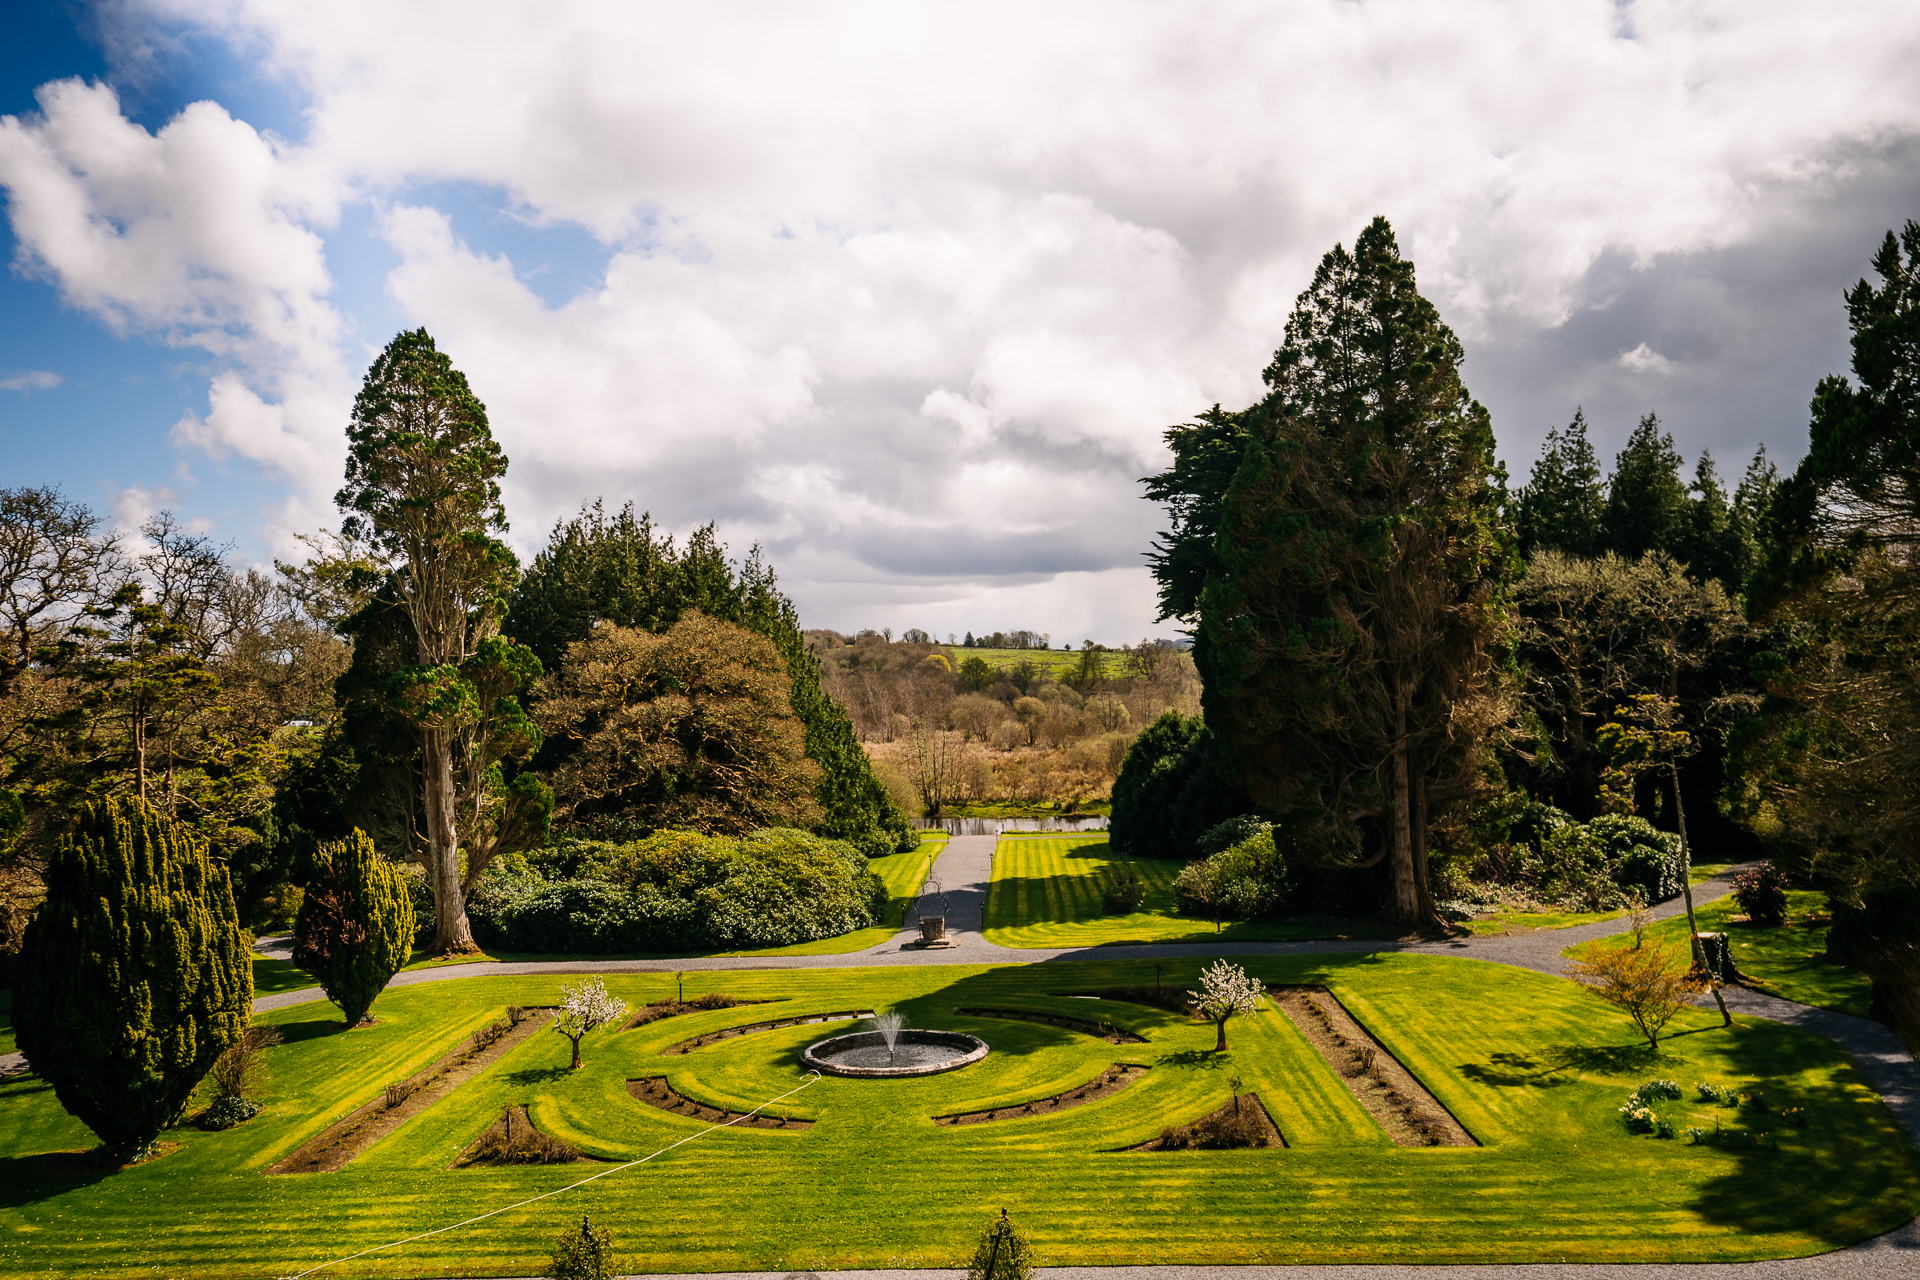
(1562, 506)
(1346, 636)
(1646, 498)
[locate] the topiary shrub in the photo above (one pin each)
(1762, 894)
(1169, 791)
(356, 925)
(136, 975)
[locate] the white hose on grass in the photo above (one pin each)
(814, 1077)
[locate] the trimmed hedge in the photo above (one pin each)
(684, 891)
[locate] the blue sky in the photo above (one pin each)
(907, 295)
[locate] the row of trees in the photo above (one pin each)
(1397, 653)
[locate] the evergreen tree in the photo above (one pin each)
(1205, 455)
(1169, 790)
(423, 490)
(1346, 637)
(616, 568)
(1712, 550)
(135, 974)
(355, 928)
(1646, 498)
(1563, 504)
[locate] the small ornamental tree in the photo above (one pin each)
(136, 975)
(1225, 989)
(586, 1006)
(1644, 983)
(355, 927)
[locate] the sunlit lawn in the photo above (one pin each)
(1046, 892)
(1531, 1066)
(1788, 961)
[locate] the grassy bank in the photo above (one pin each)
(1046, 892)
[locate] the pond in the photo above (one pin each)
(994, 826)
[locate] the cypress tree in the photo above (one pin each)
(135, 975)
(1646, 498)
(355, 927)
(1561, 506)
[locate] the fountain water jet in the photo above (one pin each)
(888, 1025)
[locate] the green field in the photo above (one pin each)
(1533, 1068)
(1051, 662)
(1046, 893)
(1788, 961)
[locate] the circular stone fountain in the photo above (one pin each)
(909, 1053)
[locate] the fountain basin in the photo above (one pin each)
(915, 1053)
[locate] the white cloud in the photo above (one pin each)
(909, 292)
(32, 380)
(1644, 359)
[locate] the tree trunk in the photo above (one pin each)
(1220, 1025)
(1422, 885)
(1406, 896)
(576, 1051)
(451, 931)
(1686, 887)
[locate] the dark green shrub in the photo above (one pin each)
(356, 925)
(239, 1077)
(1246, 882)
(1123, 892)
(1225, 835)
(136, 975)
(1642, 857)
(1762, 894)
(683, 891)
(1169, 791)
(584, 1254)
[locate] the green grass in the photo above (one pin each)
(1529, 1064)
(1051, 662)
(270, 977)
(1046, 893)
(1788, 961)
(6, 1023)
(1507, 922)
(1698, 871)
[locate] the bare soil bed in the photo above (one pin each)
(513, 1139)
(346, 1138)
(1239, 1123)
(1392, 1095)
(714, 1037)
(1104, 1030)
(671, 1008)
(656, 1092)
(1104, 1085)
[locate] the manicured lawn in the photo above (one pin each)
(1789, 961)
(1046, 893)
(271, 977)
(1531, 1066)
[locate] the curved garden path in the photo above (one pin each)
(965, 868)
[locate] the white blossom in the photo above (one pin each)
(585, 1006)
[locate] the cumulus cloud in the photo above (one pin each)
(32, 380)
(908, 293)
(1644, 359)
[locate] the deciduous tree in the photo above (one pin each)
(1225, 989)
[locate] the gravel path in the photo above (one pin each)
(964, 870)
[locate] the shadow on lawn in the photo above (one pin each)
(1846, 1148)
